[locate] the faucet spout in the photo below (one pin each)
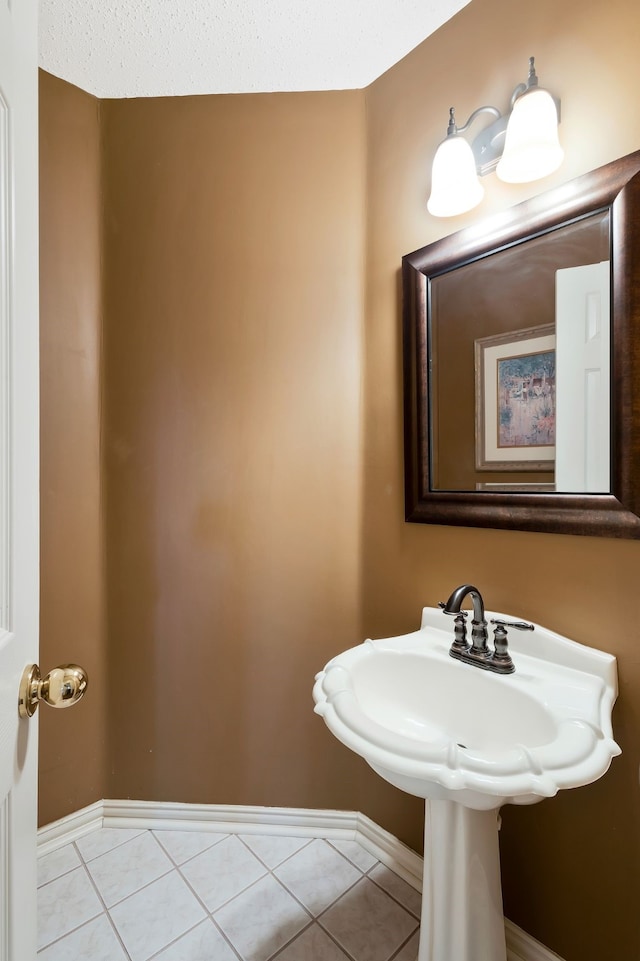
(454, 603)
(479, 633)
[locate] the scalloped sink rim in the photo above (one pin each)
(513, 738)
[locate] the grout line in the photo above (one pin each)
(348, 859)
(223, 935)
(78, 926)
(228, 900)
(330, 935)
(365, 877)
(143, 887)
(326, 908)
(241, 838)
(106, 911)
(67, 934)
(175, 940)
(351, 887)
(291, 941)
(119, 844)
(340, 947)
(137, 890)
(271, 872)
(390, 895)
(185, 933)
(210, 914)
(293, 895)
(403, 945)
(158, 837)
(62, 873)
(173, 868)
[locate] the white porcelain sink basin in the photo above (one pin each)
(469, 741)
(442, 729)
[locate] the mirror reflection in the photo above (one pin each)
(519, 355)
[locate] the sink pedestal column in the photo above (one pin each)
(462, 915)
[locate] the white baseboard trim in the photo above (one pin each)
(522, 947)
(285, 822)
(236, 819)
(70, 828)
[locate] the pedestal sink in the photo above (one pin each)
(469, 741)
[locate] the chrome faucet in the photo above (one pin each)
(478, 652)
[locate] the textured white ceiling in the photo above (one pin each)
(154, 48)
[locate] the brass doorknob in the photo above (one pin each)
(61, 687)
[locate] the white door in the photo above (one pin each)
(582, 379)
(18, 470)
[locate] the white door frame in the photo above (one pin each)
(19, 467)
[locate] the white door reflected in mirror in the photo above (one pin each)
(582, 379)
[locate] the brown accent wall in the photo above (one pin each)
(234, 252)
(571, 865)
(72, 743)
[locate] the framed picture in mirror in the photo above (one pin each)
(516, 400)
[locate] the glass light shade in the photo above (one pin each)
(454, 182)
(532, 149)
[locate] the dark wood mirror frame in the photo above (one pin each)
(616, 188)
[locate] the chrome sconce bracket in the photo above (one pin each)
(488, 145)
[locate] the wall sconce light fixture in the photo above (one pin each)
(521, 145)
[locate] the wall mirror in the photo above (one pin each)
(522, 365)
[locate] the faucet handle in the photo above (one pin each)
(460, 642)
(443, 608)
(519, 625)
(501, 658)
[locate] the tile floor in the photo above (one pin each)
(128, 895)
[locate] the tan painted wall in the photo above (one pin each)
(234, 252)
(571, 864)
(72, 743)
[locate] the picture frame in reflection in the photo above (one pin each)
(526, 488)
(516, 400)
